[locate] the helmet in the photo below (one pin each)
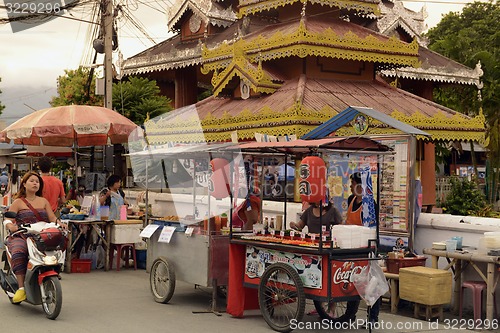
(4, 173)
(50, 239)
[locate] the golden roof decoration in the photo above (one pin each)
(249, 7)
(292, 111)
(314, 37)
(258, 79)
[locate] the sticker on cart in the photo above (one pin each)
(189, 231)
(166, 234)
(149, 231)
(308, 267)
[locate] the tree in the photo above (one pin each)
(1, 106)
(76, 87)
(139, 99)
(469, 37)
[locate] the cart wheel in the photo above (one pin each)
(162, 280)
(337, 311)
(281, 297)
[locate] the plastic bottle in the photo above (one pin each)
(123, 212)
(97, 209)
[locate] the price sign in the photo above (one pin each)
(302, 235)
(292, 234)
(272, 232)
(313, 237)
(282, 233)
(323, 238)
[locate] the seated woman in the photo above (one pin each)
(30, 207)
(311, 218)
(247, 213)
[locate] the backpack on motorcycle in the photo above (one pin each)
(50, 239)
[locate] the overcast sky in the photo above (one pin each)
(31, 60)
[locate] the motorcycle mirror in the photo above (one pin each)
(10, 215)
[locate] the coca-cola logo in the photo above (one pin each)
(343, 275)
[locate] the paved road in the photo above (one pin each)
(113, 301)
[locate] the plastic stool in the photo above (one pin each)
(477, 288)
(119, 249)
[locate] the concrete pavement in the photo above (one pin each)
(122, 302)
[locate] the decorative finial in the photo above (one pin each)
(303, 12)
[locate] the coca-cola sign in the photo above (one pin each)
(342, 276)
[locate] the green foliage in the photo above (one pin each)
(464, 199)
(470, 37)
(442, 153)
(139, 99)
(73, 88)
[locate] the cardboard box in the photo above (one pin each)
(424, 285)
(126, 233)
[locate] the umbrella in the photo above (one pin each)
(70, 126)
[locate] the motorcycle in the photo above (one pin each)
(46, 253)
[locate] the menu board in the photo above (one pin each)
(393, 208)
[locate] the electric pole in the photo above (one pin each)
(108, 54)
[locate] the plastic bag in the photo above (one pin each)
(371, 283)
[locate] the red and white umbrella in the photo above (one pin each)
(70, 126)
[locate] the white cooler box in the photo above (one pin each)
(126, 231)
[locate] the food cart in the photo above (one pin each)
(186, 246)
(286, 266)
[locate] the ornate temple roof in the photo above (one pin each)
(210, 11)
(303, 103)
(248, 7)
(438, 68)
(174, 53)
(395, 14)
(313, 36)
(435, 67)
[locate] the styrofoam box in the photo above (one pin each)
(126, 233)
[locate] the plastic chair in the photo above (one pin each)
(119, 251)
(477, 288)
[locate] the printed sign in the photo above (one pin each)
(342, 272)
(308, 267)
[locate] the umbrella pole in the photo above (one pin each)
(76, 168)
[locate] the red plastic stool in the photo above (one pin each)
(119, 251)
(477, 288)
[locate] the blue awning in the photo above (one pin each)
(348, 115)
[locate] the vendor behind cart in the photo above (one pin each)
(311, 217)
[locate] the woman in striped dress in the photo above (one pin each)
(28, 199)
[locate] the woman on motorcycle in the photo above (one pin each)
(30, 207)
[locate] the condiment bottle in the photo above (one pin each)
(266, 222)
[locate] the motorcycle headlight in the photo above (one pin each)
(50, 260)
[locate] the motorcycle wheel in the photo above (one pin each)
(52, 303)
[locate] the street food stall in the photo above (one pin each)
(287, 266)
(190, 243)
